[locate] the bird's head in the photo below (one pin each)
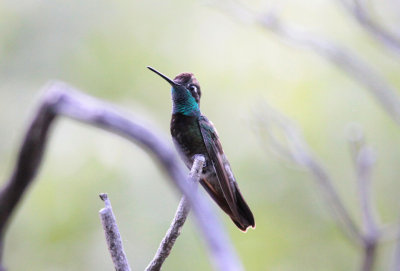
(185, 92)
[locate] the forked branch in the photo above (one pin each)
(286, 140)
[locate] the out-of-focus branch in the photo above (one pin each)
(342, 57)
(396, 257)
(1, 254)
(61, 99)
(390, 232)
(179, 220)
(360, 13)
(286, 140)
(27, 164)
(113, 236)
(364, 159)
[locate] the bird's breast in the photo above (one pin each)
(187, 137)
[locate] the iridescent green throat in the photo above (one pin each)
(184, 103)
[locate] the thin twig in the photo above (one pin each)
(113, 236)
(360, 13)
(364, 161)
(342, 57)
(61, 99)
(179, 220)
(296, 149)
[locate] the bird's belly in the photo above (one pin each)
(189, 146)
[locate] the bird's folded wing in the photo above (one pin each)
(216, 154)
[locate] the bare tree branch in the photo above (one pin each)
(113, 236)
(369, 256)
(179, 220)
(61, 99)
(338, 55)
(1, 254)
(359, 12)
(28, 162)
(296, 149)
(396, 259)
(364, 159)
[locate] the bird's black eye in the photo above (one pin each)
(192, 88)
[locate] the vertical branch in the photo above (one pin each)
(369, 257)
(396, 259)
(113, 236)
(179, 220)
(364, 159)
(1, 255)
(26, 167)
(28, 162)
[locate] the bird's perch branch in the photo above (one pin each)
(113, 237)
(179, 220)
(62, 100)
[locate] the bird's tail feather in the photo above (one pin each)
(245, 218)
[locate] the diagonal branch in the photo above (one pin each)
(61, 99)
(340, 56)
(294, 148)
(179, 220)
(359, 11)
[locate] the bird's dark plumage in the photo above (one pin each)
(193, 134)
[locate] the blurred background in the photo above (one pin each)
(103, 48)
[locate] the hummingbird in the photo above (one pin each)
(192, 133)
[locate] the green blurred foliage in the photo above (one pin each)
(103, 47)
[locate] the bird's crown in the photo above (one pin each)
(190, 82)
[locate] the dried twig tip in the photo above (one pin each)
(103, 197)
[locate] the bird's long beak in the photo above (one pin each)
(172, 83)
